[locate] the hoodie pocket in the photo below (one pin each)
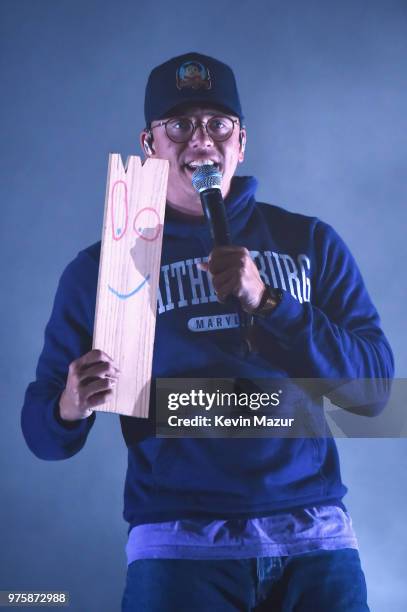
(245, 467)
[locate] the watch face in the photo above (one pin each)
(269, 301)
(276, 294)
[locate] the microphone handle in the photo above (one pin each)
(215, 213)
(214, 210)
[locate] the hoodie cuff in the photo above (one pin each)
(67, 429)
(286, 320)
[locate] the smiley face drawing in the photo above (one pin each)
(119, 221)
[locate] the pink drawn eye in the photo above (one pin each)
(147, 224)
(119, 208)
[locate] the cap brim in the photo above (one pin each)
(181, 108)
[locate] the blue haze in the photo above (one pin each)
(323, 86)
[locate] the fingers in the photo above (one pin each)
(203, 265)
(94, 364)
(96, 387)
(90, 383)
(233, 272)
(101, 369)
(99, 398)
(226, 283)
(95, 375)
(92, 357)
(224, 258)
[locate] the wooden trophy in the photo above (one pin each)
(126, 301)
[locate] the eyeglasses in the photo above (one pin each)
(181, 129)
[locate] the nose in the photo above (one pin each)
(200, 136)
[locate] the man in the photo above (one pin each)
(221, 524)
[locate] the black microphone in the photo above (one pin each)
(207, 181)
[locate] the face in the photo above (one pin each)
(182, 158)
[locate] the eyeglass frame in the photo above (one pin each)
(195, 126)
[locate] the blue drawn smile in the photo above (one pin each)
(124, 296)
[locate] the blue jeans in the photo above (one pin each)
(319, 581)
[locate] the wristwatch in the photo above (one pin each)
(269, 301)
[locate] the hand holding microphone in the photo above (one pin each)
(233, 271)
(235, 274)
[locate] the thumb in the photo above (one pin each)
(203, 265)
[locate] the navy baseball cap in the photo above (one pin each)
(191, 78)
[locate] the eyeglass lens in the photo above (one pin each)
(180, 129)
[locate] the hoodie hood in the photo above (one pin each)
(239, 207)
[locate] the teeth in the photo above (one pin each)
(201, 162)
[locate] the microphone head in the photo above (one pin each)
(206, 177)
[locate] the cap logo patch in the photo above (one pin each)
(193, 75)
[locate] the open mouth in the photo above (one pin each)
(193, 165)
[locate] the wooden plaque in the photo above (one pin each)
(126, 302)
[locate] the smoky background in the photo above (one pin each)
(323, 88)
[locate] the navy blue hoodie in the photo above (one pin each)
(325, 327)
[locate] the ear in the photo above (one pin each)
(146, 143)
(242, 141)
